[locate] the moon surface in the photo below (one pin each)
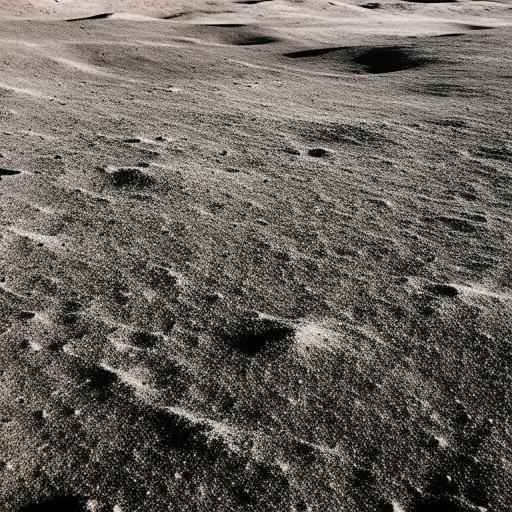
(255, 255)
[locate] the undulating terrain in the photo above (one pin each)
(255, 256)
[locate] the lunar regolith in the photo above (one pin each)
(255, 256)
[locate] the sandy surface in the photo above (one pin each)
(255, 256)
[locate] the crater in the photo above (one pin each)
(373, 60)
(389, 59)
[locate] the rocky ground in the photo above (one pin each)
(255, 256)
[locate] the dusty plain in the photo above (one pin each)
(255, 256)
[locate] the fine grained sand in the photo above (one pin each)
(255, 256)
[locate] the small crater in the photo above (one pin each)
(364, 477)
(468, 196)
(430, 503)
(69, 312)
(262, 487)
(132, 140)
(144, 339)
(212, 298)
(495, 152)
(243, 496)
(318, 153)
(445, 90)
(443, 290)
(255, 336)
(379, 202)
(427, 310)
(389, 59)
(452, 123)
(236, 34)
(388, 506)
(177, 432)
(317, 52)
(302, 506)
(255, 40)
(163, 278)
(477, 217)
(430, 1)
(98, 378)
(130, 177)
(26, 315)
(458, 224)
(8, 172)
(101, 16)
(173, 16)
(227, 25)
